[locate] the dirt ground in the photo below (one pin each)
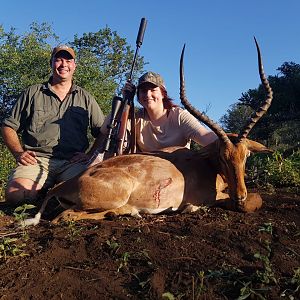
(210, 254)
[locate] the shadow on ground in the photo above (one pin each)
(210, 254)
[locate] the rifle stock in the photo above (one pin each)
(122, 129)
(113, 124)
(133, 131)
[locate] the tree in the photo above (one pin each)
(24, 60)
(286, 89)
(235, 117)
(279, 126)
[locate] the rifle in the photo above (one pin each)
(122, 109)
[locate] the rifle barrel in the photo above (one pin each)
(140, 37)
(139, 42)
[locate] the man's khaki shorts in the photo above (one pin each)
(48, 172)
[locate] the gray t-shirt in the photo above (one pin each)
(54, 128)
(177, 129)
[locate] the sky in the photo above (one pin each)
(220, 56)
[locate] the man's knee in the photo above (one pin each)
(21, 190)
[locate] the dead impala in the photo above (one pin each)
(168, 180)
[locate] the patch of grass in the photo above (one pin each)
(168, 296)
(266, 276)
(74, 230)
(294, 284)
(204, 209)
(267, 227)
(254, 293)
(253, 286)
(7, 163)
(238, 283)
(296, 278)
(10, 247)
(274, 171)
(113, 246)
(200, 288)
(123, 261)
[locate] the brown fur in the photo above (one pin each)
(158, 182)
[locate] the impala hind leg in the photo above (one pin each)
(72, 215)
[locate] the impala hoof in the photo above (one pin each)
(251, 204)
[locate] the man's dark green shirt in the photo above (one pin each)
(55, 128)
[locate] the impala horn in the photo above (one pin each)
(263, 109)
(196, 113)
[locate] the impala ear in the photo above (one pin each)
(256, 147)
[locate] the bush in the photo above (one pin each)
(275, 170)
(7, 163)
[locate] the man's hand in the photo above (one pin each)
(26, 158)
(128, 91)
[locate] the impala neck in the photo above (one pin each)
(212, 153)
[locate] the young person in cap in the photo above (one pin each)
(53, 119)
(160, 123)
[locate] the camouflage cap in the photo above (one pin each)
(153, 78)
(63, 48)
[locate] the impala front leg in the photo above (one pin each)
(72, 215)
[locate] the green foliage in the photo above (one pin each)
(236, 279)
(256, 284)
(113, 246)
(74, 230)
(7, 162)
(295, 283)
(283, 172)
(201, 288)
(266, 275)
(235, 117)
(123, 261)
(24, 60)
(20, 213)
(274, 170)
(168, 296)
(285, 135)
(11, 247)
(247, 291)
(267, 227)
(296, 278)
